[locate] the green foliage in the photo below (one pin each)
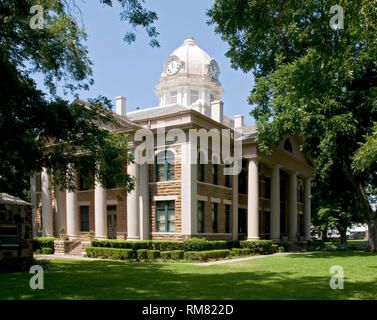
(201, 244)
(317, 83)
(153, 254)
(40, 243)
(257, 246)
(165, 255)
(109, 253)
(206, 255)
(176, 254)
(47, 251)
(240, 252)
(281, 249)
(142, 254)
(274, 248)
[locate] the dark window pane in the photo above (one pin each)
(84, 219)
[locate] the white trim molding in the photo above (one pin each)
(165, 198)
(226, 201)
(112, 202)
(83, 203)
(202, 198)
(216, 200)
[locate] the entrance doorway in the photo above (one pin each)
(111, 222)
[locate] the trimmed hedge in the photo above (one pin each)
(165, 254)
(153, 254)
(142, 254)
(40, 243)
(191, 244)
(257, 246)
(240, 252)
(206, 255)
(177, 254)
(109, 253)
(274, 248)
(47, 251)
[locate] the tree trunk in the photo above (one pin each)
(372, 233)
(343, 236)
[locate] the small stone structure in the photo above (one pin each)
(16, 232)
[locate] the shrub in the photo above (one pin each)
(281, 249)
(47, 251)
(176, 254)
(165, 254)
(285, 245)
(240, 252)
(257, 246)
(142, 254)
(153, 254)
(134, 245)
(109, 253)
(206, 255)
(39, 243)
(274, 248)
(167, 245)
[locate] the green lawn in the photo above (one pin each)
(296, 276)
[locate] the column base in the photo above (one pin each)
(133, 238)
(275, 240)
(100, 238)
(72, 237)
(252, 238)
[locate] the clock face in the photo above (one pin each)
(173, 66)
(213, 69)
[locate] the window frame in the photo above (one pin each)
(201, 216)
(215, 217)
(169, 168)
(166, 218)
(81, 219)
(16, 235)
(227, 218)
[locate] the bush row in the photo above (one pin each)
(109, 253)
(40, 243)
(191, 244)
(206, 255)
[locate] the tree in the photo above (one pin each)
(314, 80)
(53, 133)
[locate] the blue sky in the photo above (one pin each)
(134, 70)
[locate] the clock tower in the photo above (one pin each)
(190, 78)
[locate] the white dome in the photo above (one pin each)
(195, 59)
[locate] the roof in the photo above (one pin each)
(155, 112)
(125, 123)
(6, 198)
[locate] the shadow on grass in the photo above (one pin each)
(333, 254)
(112, 280)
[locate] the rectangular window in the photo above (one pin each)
(165, 165)
(227, 177)
(201, 216)
(215, 173)
(227, 218)
(165, 216)
(214, 217)
(173, 97)
(241, 220)
(84, 219)
(194, 96)
(267, 188)
(8, 236)
(201, 168)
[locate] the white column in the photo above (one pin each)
(275, 204)
(293, 206)
(33, 201)
(100, 211)
(235, 206)
(253, 201)
(60, 201)
(189, 189)
(144, 202)
(72, 213)
(133, 205)
(47, 218)
(307, 208)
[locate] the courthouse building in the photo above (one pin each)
(174, 199)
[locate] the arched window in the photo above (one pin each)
(164, 163)
(301, 194)
(288, 146)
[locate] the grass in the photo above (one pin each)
(296, 276)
